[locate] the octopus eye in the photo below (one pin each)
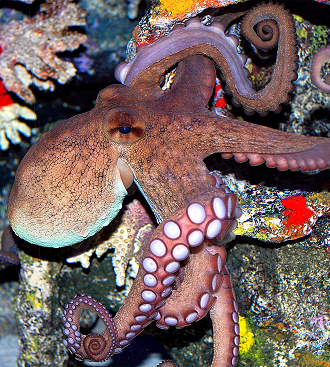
(124, 129)
(123, 126)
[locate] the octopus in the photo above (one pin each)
(72, 182)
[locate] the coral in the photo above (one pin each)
(184, 8)
(29, 48)
(135, 222)
(37, 316)
(296, 212)
(10, 126)
(246, 336)
(177, 7)
(127, 241)
(127, 238)
(273, 215)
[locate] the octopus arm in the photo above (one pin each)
(194, 38)
(193, 296)
(224, 316)
(190, 71)
(188, 302)
(190, 239)
(8, 249)
(260, 144)
(8, 259)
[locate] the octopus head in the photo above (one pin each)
(72, 182)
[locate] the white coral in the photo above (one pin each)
(128, 236)
(11, 126)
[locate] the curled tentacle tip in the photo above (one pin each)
(92, 347)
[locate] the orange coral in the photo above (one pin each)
(180, 8)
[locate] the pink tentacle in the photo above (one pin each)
(204, 219)
(93, 347)
(224, 315)
(313, 159)
(172, 242)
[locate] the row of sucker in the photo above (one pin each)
(192, 33)
(229, 336)
(225, 320)
(194, 297)
(172, 245)
(227, 284)
(207, 220)
(308, 161)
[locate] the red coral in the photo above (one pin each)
(221, 102)
(296, 212)
(146, 41)
(220, 97)
(5, 99)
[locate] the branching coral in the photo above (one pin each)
(10, 126)
(127, 239)
(29, 48)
